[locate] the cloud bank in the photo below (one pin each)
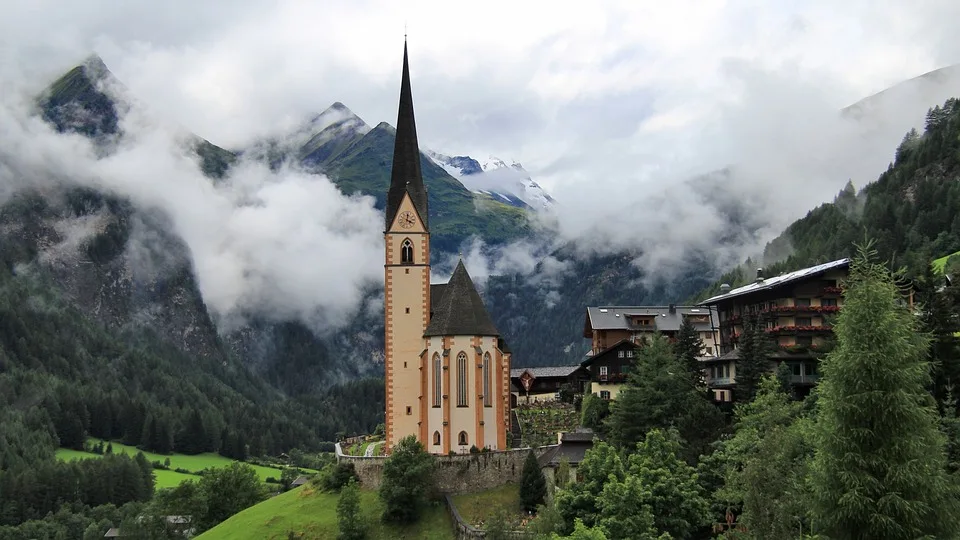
(617, 110)
(287, 245)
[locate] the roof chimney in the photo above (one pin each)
(759, 275)
(724, 288)
(673, 308)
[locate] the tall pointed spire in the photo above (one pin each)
(406, 176)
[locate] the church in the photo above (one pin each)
(447, 370)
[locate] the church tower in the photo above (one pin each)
(406, 276)
(447, 371)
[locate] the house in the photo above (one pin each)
(615, 332)
(605, 326)
(608, 368)
(571, 447)
(794, 309)
(544, 383)
(299, 481)
(446, 368)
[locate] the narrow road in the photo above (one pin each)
(369, 451)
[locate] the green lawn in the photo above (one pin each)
(172, 478)
(314, 515)
(477, 508)
(940, 263)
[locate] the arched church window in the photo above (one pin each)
(406, 251)
(487, 385)
(437, 386)
(462, 379)
(436, 438)
(462, 438)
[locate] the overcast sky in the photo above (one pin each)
(571, 89)
(609, 105)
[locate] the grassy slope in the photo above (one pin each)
(177, 461)
(314, 514)
(939, 264)
(476, 508)
(164, 479)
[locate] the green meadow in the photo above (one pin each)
(172, 478)
(313, 514)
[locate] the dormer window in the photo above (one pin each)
(406, 251)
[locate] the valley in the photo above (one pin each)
(125, 319)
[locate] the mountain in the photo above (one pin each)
(912, 210)
(511, 184)
(357, 158)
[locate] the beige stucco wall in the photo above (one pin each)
(613, 388)
(406, 309)
(482, 424)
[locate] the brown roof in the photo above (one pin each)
(460, 310)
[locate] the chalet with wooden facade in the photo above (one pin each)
(795, 310)
(606, 326)
(615, 332)
(544, 383)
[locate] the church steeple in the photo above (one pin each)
(406, 176)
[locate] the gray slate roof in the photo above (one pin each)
(777, 281)
(405, 177)
(552, 371)
(460, 310)
(618, 317)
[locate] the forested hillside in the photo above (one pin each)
(912, 210)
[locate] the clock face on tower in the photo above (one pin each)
(407, 219)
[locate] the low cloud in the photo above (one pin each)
(284, 245)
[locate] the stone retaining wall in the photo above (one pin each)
(459, 473)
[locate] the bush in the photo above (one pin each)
(407, 479)
(336, 476)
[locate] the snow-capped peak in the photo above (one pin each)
(511, 184)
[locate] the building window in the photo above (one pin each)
(804, 321)
(604, 394)
(462, 379)
(828, 302)
(603, 371)
(436, 438)
(804, 302)
(408, 310)
(629, 354)
(406, 251)
(805, 340)
(796, 369)
(409, 410)
(437, 383)
(487, 385)
(462, 438)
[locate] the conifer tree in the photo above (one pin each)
(348, 513)
(754, 351)
(879, 468)
(533, 485)
(689, 349)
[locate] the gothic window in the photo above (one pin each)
(462, 438)
(436, 438)
(487, 397)
(406, 251)
(437, 386)
(462, 379)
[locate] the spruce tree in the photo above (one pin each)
(689, 349)
(533, 485)
(753, 357)
(879, 468)
(348, 513)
